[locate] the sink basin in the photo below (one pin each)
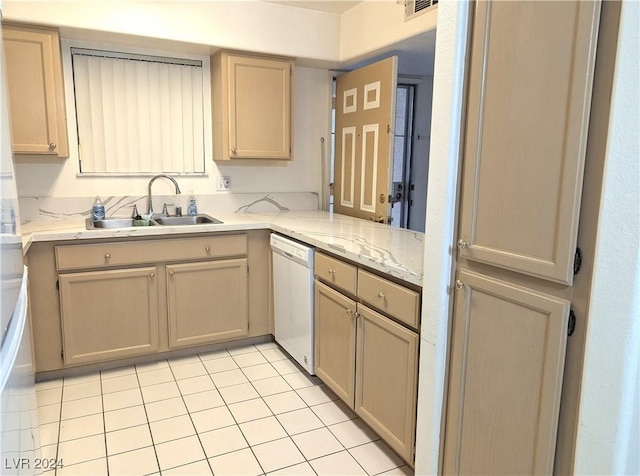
(186, 220)
(114, 223)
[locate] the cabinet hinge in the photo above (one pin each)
(571, 327)
(333, 102)
(62, 354)
(57, 284)
(577, 261)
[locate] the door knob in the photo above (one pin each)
(459, 284)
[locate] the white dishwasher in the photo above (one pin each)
(293, 299)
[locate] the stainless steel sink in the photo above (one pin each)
(156, 220)
(114, 223)
(186, 220)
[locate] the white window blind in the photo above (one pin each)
(138, 114)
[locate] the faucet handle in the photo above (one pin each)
(165, 212)
(135, 213)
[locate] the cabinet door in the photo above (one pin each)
(335, 341)
(36, 97)
(259, 107)
(529, 99)
(387, 379)
(207, 302)
(507, 359)
(109, 315)
(365, 114)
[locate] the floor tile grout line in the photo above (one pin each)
(236, 421)
(197, 433)
(148, 423)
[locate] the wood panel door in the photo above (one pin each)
(529, 99)
(335, 341)
(109, 315)
(207, 302)
(365, 114)
(507, 359)
(387, 379)
(36, 95)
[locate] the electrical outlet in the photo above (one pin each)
(224, 183)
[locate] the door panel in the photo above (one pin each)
(387, 379)
(528, 111)
(207, 302)
(507, 360)
(109, 315)
(335, 341)
(365, 110)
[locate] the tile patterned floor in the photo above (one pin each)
(245, 410)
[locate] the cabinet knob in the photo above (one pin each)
(152, 275)
(207, 249)
(459, 284)
(331, 271)
(107, 257)
(462, 244)
(171, 273)
(52, 146)
(234, 150)
(381, 295)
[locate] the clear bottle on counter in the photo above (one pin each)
(97, 211)
(192, 208)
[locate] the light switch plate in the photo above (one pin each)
(224, 183)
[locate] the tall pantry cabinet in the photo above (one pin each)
(528, 102)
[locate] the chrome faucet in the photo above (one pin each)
(153, 179)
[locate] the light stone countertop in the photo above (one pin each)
(392, 251)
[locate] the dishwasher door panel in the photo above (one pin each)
(293, 309)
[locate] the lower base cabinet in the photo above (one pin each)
(371, 363)
(109, 314)
(387, 379)
(207, 302)
(335, 343)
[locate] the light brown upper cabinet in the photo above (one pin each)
(251, 101)
(365, 114)
(529, 99)
(36, 91)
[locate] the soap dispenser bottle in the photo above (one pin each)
(192, 208)
(97, 211)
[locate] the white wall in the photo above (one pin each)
(312, 95)
(374, 24)
(607, 440)
(448, 84)
(238, 24)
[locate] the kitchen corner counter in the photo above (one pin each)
(393, 251)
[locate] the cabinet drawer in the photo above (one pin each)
(395, 300)
(335, 272)
(149, 251)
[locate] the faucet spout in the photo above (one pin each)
(149, 198)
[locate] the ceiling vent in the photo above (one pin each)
(414, 8)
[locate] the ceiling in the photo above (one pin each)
(330, 6)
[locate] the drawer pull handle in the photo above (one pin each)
(331, 271)
(152, 275)
(381, 295)
(207, 249)
(107, 257)
(171, 273)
